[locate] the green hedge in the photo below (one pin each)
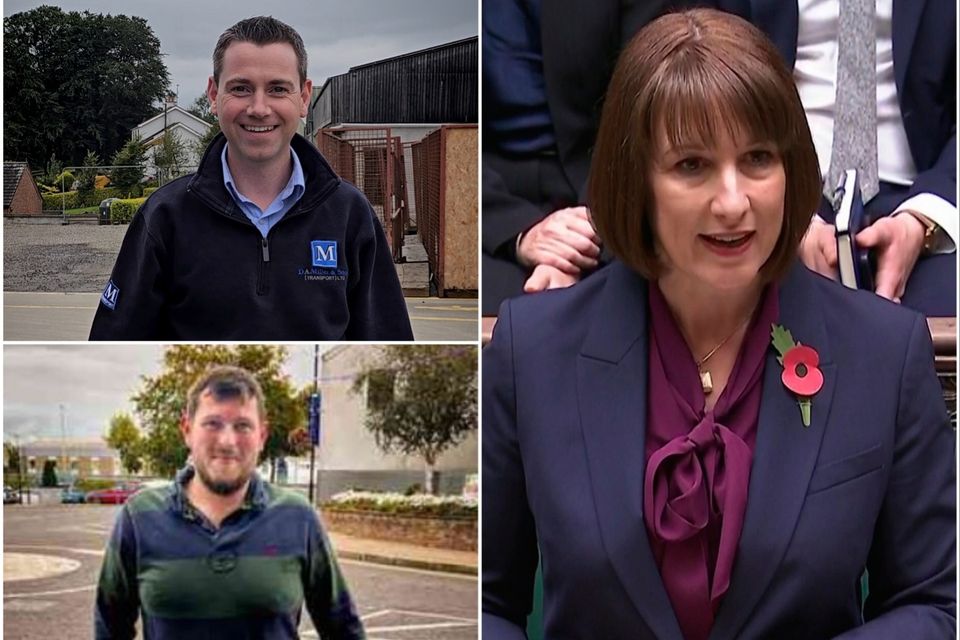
(148, 191)
(56, 200)
(121, 211)
(93, 484)
(75, 200)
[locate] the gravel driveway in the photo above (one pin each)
(61, 258)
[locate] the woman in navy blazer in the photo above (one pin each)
(678, 474)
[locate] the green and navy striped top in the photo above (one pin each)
(247, 579)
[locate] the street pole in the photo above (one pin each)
(163, 142)
(19, 468)
(314, 416)
(63, 441)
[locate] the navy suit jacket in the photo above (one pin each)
(580, 44)
(925, 71)
(870, 483)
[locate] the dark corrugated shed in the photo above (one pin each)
(435, 85)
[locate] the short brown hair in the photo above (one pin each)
(679, 79)
(261, 30)
(226, 383)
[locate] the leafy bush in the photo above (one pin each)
(148, 191)
(76, 200)
(49, 473)
(396, 503)
(95, 197)
(87, 176)
(64, 179)
(56, 200)
(122, 211)
(132, 157)
(92, 484)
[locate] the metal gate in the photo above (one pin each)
(372, 159)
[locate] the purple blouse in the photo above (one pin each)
(698, 463)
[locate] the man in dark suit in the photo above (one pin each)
(915, 215)
(546, 64)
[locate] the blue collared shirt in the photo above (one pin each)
(284, 201)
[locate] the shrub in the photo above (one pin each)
(76, 200)
(86, 178)
(122, 211)
(49, 473)
(396, 503)
(92, 484)
(149, 190)
(58, 201)
(95, 197)
(132, 157)
(66, 179)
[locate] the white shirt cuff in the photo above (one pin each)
(939, 211)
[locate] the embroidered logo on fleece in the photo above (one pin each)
(324, 253)
(110, 295)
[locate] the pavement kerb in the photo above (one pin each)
(410, 563)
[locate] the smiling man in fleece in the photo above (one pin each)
(265, 241)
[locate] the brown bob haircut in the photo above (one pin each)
(679, 79)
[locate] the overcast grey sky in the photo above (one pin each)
(92, 381)
(338, 34)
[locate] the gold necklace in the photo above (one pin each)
(706, 381)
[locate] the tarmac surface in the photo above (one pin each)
(53, 275)
(38, 316)
(51, 594)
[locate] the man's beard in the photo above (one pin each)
(222, 487)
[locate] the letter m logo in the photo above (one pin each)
(324, 253)
(110, 294)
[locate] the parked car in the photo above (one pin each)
(10, 495)
(114, 495)
(72, 495)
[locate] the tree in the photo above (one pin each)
(49, 478)
(12, 455)
(162, 399)
(76, 81)
(52, 172)
(124, 436)
(170, 156)
(86, 178)
(201, 108)
(201, 145)
(421, 399)
(132, 153)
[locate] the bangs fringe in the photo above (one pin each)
(691, 101)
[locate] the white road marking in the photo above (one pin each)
(443, 574)
(88, 552)
(7, 596)
(420, 627)
(435, 615)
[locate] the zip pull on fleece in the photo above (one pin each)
(266, 250)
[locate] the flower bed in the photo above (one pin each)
(445, 522)
(396, 503)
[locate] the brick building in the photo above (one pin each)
(20, 192)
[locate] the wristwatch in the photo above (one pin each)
(931, 232)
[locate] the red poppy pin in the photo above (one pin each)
(801, 374)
